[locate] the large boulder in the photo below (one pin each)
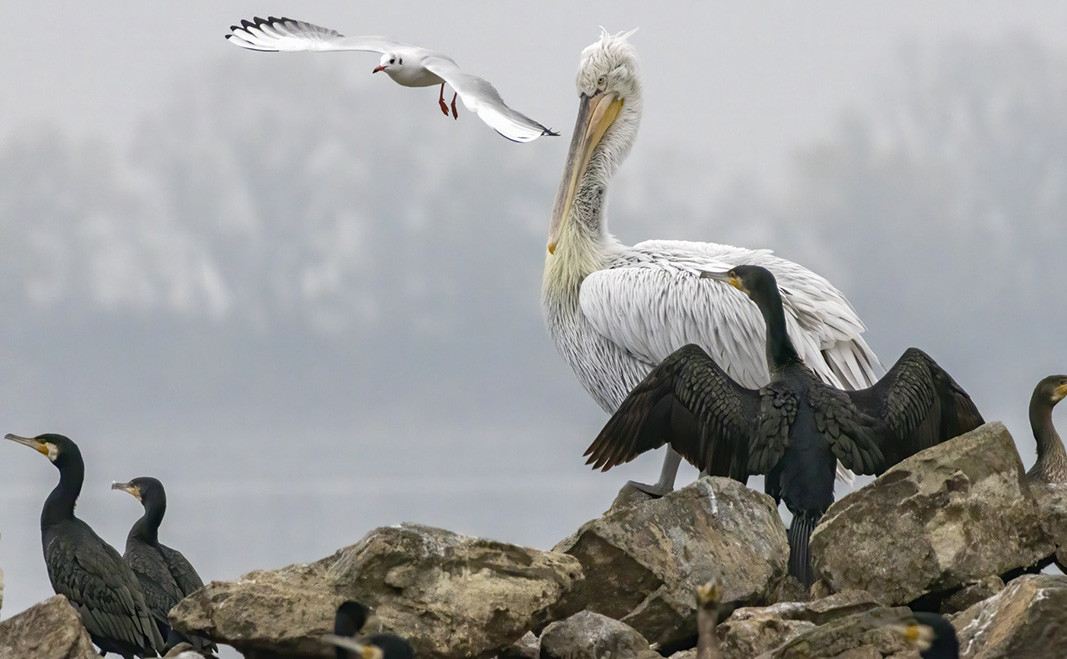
(49, 630)
(588, 635)
(644, 558)
(944, 517)
(867, 635)
(1052, 501)
(1026, 619)
(751, 631)
(451, 595)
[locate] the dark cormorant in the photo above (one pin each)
(84, 568)
(347, 623)
(1051, 465)
(794, 428)
(932, 634)
(166, 576)
(709, 596)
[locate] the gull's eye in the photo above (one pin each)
(392, 60)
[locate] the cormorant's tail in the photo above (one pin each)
(799, 539)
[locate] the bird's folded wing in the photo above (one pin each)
(93, 577)
(920, 404)
(652, 300)
(690, 403)
(481, 98)
(288, 35)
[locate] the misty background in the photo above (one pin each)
(310, 304)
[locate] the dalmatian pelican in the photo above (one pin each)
(616, 311)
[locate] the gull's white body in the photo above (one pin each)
(407, 65)
(615, 311)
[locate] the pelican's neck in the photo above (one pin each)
(1049, 445)
(585, 244)
(59, 506)
(780, 350)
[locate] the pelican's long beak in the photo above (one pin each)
(727, 277)
(34, 443)
(595, 115)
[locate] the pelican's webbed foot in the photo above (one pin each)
(657, 490)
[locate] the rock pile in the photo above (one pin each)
(953, 529)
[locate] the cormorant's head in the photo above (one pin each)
(144, 488)
(709, 594)
(1052, 389)
(931, 634)
(755, 281)
(378, 646)
(59, 449)
(349, 619)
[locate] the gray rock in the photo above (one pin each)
(944, 517)
(527, 647)
(867, 635)
(450, 595)
(1052, 501)
(49, 630)
(588, 635)
(645, 557)
(972, 593)
(750, 631)
(1026, 619)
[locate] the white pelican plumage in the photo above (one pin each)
(615, 311)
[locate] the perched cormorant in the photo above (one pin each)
(616, 311)
(347, 623)
(166, 576)
(792, 429)
(1051, 465)
(932, 634)
(84, 568)
(709, 596)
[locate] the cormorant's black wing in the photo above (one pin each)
(920, 405)
(161, 592)
(182, 570)
(690, 403)
(854, 435)
(188, 582)
(102, 588)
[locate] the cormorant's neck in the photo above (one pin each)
(1049, 444)
(147, 527)
(780, 350)
(59, 506)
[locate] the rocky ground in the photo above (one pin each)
(954, 529)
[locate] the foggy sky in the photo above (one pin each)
(310, 304)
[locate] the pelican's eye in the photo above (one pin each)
(601, 81)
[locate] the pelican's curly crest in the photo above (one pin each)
(612, 56)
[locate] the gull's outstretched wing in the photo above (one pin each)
(481, 98)
(289, 35)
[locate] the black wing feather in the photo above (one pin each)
(687, 401)
(920, 405)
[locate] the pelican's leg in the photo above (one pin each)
(454, 112)
(666, 475)
(441, 100)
